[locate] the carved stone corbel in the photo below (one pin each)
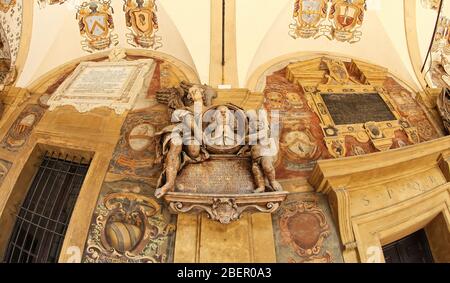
(224, 208)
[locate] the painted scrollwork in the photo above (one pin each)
(304, 227)
(123, 232)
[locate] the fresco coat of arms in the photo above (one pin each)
(96, 25)
(309, 16)
(141, 19)
(333, 19)
(347, 17)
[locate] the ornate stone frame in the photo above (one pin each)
(128, 93)
(380, 198)
(335, 134)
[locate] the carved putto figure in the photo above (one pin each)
(180, 143)
(218, 158)
(228, 131)
(263, 151)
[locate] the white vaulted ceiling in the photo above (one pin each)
(383, 42)
(262, 28)
(55, 37)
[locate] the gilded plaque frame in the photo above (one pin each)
(380, 134)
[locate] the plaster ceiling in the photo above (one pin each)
(261, 35)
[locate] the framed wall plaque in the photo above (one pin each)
(103, 84)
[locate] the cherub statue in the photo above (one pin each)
(181, 143)
(262, 149)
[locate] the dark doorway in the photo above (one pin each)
(43, 218)
(411, 249)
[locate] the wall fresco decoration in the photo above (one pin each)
(11, 32)
(22, 128)
(7, 73)
(430, 4)
(308, 132)
(5, 166)
(142, 21)
(334, 19)
(409, 109)
(6, 5)
(130, 225)
(96, 25)
(301, 136)
(304, 231)
(135, 152)
(437, 69)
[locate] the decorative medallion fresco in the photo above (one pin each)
(304, 231)
(22, 128)
(301, 136)
(96, 25)
(4, 169)
(135, 152)
(334, 19)
(142, 21)
(130, 225)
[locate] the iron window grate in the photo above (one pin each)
(43, 218)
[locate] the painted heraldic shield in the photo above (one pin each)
(97, 25)
(142, 21)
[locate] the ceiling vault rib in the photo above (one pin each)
(223, 39)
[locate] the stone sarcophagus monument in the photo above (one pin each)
(216, 159)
